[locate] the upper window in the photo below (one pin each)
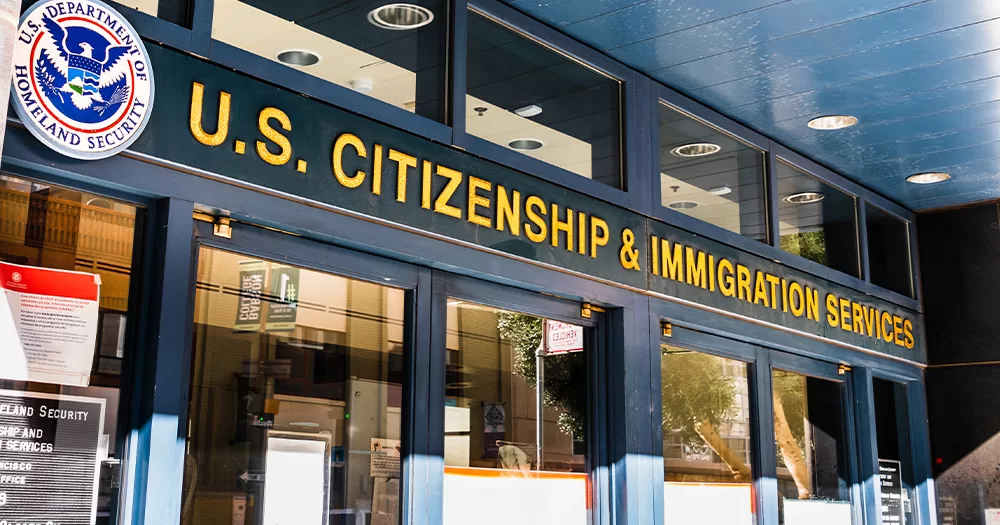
(173, 11)
(888, 251)
(393, 52)
(817, 221)
(532, 99)
(711, 176)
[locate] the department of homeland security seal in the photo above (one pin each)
(82, 82)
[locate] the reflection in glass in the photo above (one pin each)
(55, 227)
(811, 449)
(888, 251)
(534, 100)
(173, 11)
(817, 221)
(395, 55)
(895, 462)
(296, 395)
(493, 457)
(711, 176)
(706, 439)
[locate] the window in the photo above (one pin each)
(711, 176)
(888, 251)
(811, 450)
(532, 99)
(48, 226)
(493, 455)
(393, 52)
(817, 221)
(894, 460)
(296, 396)
(173, 11)
(706, 439)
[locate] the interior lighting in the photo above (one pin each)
(400, 17)
(806, 197)
(698, 149)
(830, 122)
(299, 57)
(928, 178)
(525, 144)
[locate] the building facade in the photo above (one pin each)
(439, 263)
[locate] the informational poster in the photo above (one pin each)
(562, 338)
(493, 428)
(891, 483)
(947, 511)
(296, 488)
(992, 516)
(248, 311)
(49, 457)
(816, 512)
(481, 496)
(708, 503)
(48, 324)
(385, 458)
(283, 302)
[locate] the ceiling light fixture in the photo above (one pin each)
(298, 57)
(806, 197)
(400, 17)
(525, 144)
(830, 122)
(698, 149)
(928, 178)
(528, 111)
(682, 205)
(721, 190)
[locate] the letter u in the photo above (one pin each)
(221, 130)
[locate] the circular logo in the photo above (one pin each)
(16, 277)
(81, 82)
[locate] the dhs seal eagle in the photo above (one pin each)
(82, 82)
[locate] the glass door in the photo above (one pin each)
(297, 391)
(814, 452)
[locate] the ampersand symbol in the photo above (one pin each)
(629, 256)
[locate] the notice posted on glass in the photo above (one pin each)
(50, 448)
(48, 324)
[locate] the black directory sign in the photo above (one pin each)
(49, 446)
(891, 482)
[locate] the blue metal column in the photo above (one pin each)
(864, 420)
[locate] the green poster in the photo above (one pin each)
(284, 299)
(251, 286)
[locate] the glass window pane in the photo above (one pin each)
(711, 176)
(173, 11)
(811, 450)
(706, 439)
(296, 396)
(817, 221)
(894, 460)
(529, 98)
(888, 251)
(395, 55)
(493, 455)
(54, 227)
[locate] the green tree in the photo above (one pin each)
(811, 245)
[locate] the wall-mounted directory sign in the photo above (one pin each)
(49, 457)
(891, 483)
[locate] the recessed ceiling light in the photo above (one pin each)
(299, 57)
(698, 149)
(828, 122)
(529, 111)
(805, 197)
(721, 190)
(400, 17)
(525, 144)
(928, 178)
(682, 205)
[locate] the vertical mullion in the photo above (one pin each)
(636, 122)
(774, 228)
(920, 454)
(762, 421)
(202, 12)
(597, 439)
(160, 441)
(867, 449)
(417, 414)
(457, 76)
(862, 216)
(433, 460)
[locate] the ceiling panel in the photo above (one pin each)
(923, 77)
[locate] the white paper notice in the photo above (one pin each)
(817, 512)
(992, 516)
(563, 338)
(48, 324)
(294, 487)
(385, 458)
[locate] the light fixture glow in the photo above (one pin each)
(830, 122)
(928, 178)
(528, 111)
(400, 17)
(698, 149)
(721, 190)
(805, 197)
(298, 57)
(525, 144)
(682, 205)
